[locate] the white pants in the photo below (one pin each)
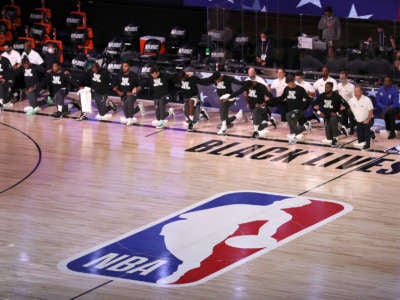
(85, 96)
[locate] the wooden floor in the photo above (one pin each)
(68, 186)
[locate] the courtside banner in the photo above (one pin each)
(204, 240)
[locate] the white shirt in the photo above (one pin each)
(14, 57)
(361, 107)
(307, 86)
(258, 79)
(319, 85)
(346, 90)
(278, 85)
(33, 57)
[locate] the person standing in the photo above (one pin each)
(6, 77)
(387, 99)
(346, 91)
(330, 26)
(329, 105)
(127, 87)
(264, 50)
(363, 111)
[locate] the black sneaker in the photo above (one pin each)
(373, 136)
(255, 135)
(392, 135)
(112, 106)
(82, 117)
(229, 125)
(334, 142)
(204, 115)
(190, 126)
(57, 115)
(366, 147)
(273, 123)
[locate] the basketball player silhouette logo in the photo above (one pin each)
(207, 239)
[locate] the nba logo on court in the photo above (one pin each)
(211, 237)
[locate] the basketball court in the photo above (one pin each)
(69, 187)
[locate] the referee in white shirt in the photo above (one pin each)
(33, 56)
(363, 111)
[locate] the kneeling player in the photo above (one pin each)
(127, 87)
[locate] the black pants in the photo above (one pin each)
(32, 98)
(4, 92)
(331, 127)
(295, 121)
(59, 96)
(159, 105)
(224, 111)
(261, 114)
(197, 110)
(347, 119)
(101, 103)
(128, 106)
(390, 119)
(364, 133)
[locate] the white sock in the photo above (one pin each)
(59, 108)
(1, 101)
(255, 127)
(191, 118)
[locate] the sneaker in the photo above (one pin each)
(326, 142)
(57, 115)
(27, 108)
(263, 133)
(154, 122)
(141, 108)
(273, 122)
(104, 117)
(112, 105)
(82, 117)
(31, 112)
(334, 142)
(123, 120)
(37, 109)
(221, 132)
(171, 112)
(8, 105)
(255, 135)
(366, 147)
(392, 135)
(131, 121)
(239, 115)
(190, 126)
(373, 136)
(49, 101)
(292, 139)
(300, 137)
(204, 115)
(308, 126)
(359, 145)
(344, 131)
(160, 124)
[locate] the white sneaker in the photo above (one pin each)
(263, 133)
(37, 109)
(8, 105)
(221, 132)
(123, 120)
(141, 108)
(105, 117)
(171, 112)
(27, 108)
(154, 122)
(292, 139)
(326, 142)
(134, 120)
(129, 122)
(239, 115)
(359, 145)
(300, 137)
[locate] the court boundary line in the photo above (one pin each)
(38, 162)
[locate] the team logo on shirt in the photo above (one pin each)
(125, 81)
(157, 82)
(185, 85)
(291, 95)
(252, 93)
(96, 78)
(221, 85)
(207, 239)
(28, 73)
(56, 80)
(328, 103)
